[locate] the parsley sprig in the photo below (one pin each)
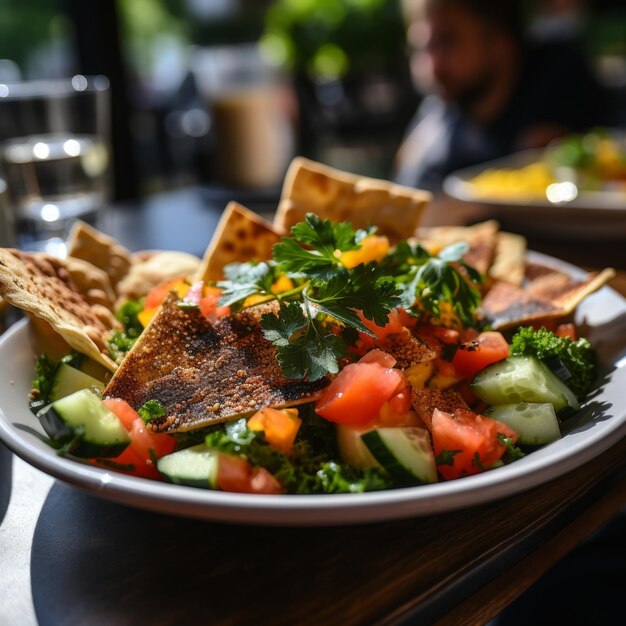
(319, 316)
(443, 286)
(325, 298)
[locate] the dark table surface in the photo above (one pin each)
(70, 558)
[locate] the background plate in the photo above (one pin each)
(598, 214)
(601, 424)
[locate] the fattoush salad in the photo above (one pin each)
(313, 355)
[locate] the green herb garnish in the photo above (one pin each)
(122, 341)
(151, 410)
(576, 356)
(446, 457)
(513, 453)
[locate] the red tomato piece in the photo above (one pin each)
(490, 347)
(125, 413)
(567, 331)
(378, 356)
(237, 475)
(470, 440)
(144, 443)
(397, 320)
(445, 335)
(158, 293)
(210, 309)
(358, 392)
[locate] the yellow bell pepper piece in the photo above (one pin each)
(280, 426)
(373, 248)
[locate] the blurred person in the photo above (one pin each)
(493, 92)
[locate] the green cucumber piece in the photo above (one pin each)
(352, 448)
(67, 379)
(523, 379)
(405, 453)
(83, 422)
(195, 466)
(535, 424)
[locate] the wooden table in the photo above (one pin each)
(68, 558)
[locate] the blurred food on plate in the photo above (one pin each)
(590, 162)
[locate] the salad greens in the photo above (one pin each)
(122, 341)
(576, 357)
(308, 469)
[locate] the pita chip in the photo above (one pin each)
(92, 282)
(151, 268)
(87, 243)
(41, 285)
(205, 372)
(241, 235)
(547, 298)
(509, 260)
(481, 239)
(340, 196)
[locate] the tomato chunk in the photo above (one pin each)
(125, 413)
(144, 446)
(358, 393)
(566, 331)
(397, 320)
(489, 347)
(469, 441)
(237, 475)
(158, 293)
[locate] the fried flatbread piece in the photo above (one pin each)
(41, 285)
(92, 282)
(339, 196)
(509, 258)
(481, 239)
(426, 400)
(406, 348)
(549, 297)
(149, 268)
(205, 372)
(240, 236)
(89, 244)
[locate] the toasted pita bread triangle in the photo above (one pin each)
(340, 196)
(241, 235)
(509, 258)
(41, 285)
(205, 372)
(481, 239)
(508, 306)
(150, 268)
(88, 243)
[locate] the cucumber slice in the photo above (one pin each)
(67, 379)
(405, 453)
(195, 466)
(523, 379)
(352, 448)
(536, 424)
(81, 418)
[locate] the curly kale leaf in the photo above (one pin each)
(577, 357)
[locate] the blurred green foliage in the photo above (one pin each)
(142, 22)
(329, 38)
(26, 26)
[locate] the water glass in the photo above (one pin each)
(54, 156)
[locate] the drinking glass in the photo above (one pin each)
(252, 132)
(54, 156)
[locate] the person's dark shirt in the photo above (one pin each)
(556, 88)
